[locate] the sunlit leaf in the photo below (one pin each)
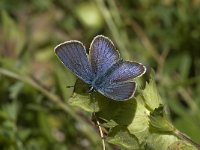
(158, 141)
(83, 99)
(121, 136)
(89, 15)
(181, 145)
(14, 38)
(159, 120)
(140, 123)
(15, 90)
(151, 95)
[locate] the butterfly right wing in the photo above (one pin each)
(102, 54)
(73, 55)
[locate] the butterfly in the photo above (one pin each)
(103, 68)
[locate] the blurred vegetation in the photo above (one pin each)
(34, 113)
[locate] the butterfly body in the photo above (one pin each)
(103, 69)
(101, 81)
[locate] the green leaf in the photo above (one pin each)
(95, 102)
(64, 78)
(80, 97)
(131, 113)
(10, 111)
(83, 99)
(45, 129)
(120, 136)
(15, 90)
(110, 124)
(159, 121)
(181, 145)
(121, 112)
(12, 34)
(140, 123)
(151, 95)
(89, 15)
(158, 141)
(23, 133)
(185, 66)
(7, 132)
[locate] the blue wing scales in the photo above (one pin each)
(126, 70)
(102, 54)
(120, 91)
(116, 83)
(73, 55)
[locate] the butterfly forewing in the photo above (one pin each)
(73, 55)
(102, 55)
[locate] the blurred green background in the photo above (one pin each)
(34, 114)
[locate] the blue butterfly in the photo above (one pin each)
(102, 69)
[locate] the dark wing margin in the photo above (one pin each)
(120, 92)
(73, 55)
(102, 54)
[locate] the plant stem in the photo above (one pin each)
(186, 138)
(85, 126)
(117, 35)
(102, 136)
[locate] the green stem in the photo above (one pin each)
(117, 35)
(84, 128)
(186, 138)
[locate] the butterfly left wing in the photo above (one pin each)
(73, 55)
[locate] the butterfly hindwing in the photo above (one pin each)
(120, 91)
